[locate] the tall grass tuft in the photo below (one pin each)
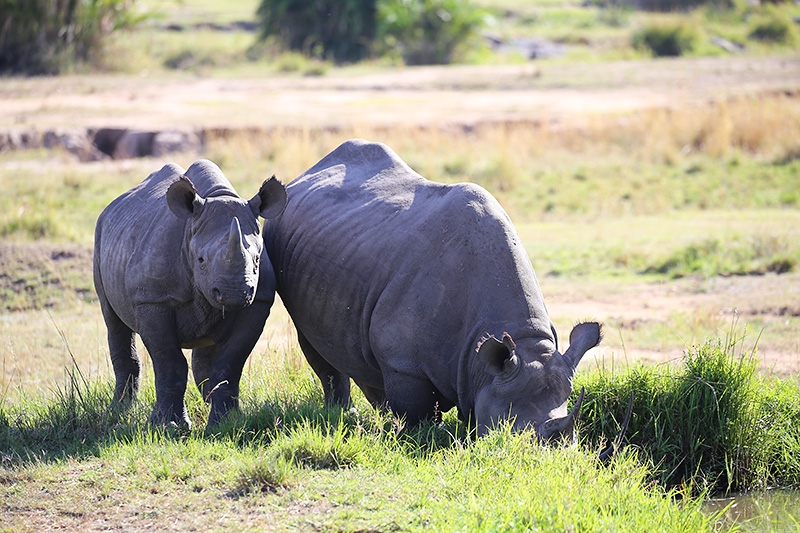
(71, 425)
(710, 424)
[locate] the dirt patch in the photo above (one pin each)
(459, 94)
(658, 321)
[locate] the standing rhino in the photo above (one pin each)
(421, 293)
(179, 260)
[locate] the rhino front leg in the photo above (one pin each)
(202, 359)
(227, 364)
(413, 398)
(335, 385)
(374, 395)
(157, 329)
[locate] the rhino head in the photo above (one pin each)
(530, 383)
(224, 246)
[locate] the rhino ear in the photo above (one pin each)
(499, 356)
(182, 198)
(584, 336)
(270, 200)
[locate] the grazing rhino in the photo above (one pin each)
(420, 292)
(179, 260)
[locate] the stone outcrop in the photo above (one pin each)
(103, 143)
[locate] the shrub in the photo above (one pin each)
(711, 423)
(344, 33)
(428, 32)
(420, 31)
(774, 29)
(667, 39)
(49, 36)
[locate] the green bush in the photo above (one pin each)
(419, 31)
(775, 29)
(50, 36)
(712, 423)
(341, 30)
(426, 32)
(667, 39)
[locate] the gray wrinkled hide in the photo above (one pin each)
(408, 286)
(184, 267)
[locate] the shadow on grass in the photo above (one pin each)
(711, 424)
(80, 420)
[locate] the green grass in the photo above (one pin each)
(710, 424)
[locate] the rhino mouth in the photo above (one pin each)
(232, 299)
(562, 428)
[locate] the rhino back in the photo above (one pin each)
(137, 246)
(383, 270)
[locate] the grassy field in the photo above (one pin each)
(676, 225)
(358, 470)
(286, 463)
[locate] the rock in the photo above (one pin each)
(166, 142)
(75, 142)
(727, 45)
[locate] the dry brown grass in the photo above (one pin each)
(767, 127)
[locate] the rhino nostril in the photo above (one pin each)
(216, 294)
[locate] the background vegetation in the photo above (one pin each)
(49, 36)
(45, 36)
(343, 33)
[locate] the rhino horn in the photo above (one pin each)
(556, 427)
(234, 252)
(576, 409)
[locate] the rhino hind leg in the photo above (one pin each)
(376, 396)
(335, 385)
(124, 357)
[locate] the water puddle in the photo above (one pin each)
(773, 510)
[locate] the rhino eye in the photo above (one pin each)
(201, 260)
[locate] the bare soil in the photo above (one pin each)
(411, 96)
(462, 95)
(757, 310)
